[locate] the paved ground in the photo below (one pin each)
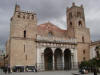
(47, 73)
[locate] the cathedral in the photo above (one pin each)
(46, 46)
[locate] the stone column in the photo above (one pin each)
(72, 61)
(53, 62)
(74, 58)
(63, 64)
(42, 59)
(53, 50)
(42, 65)
(38, 58)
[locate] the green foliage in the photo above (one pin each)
(93, 62)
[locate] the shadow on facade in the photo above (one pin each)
(57, 60)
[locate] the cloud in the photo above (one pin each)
(50, 10)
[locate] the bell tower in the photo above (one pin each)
(75, 17)
(23, 30)
(76, 28)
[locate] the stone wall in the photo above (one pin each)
(23, 30)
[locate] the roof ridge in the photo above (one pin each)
(49, 23)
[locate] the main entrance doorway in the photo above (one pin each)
(48, 59)
(58, 59)
(67, 59)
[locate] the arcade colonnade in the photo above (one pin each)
(56, 58)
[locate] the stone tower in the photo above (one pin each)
(76, 28)
(22, 38)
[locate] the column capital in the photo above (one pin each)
(63, 49)
(42, 54)
(42, 49)
(53, 50)
(72, 50)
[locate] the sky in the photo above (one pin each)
(50, 10)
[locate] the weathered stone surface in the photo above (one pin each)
(24, 48)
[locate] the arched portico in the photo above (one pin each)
(58, 59)
(67, 59)
(48, 59)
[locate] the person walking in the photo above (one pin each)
(95, 71)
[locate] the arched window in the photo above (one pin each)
(80, 23)
(50, 34)
(78, 14)
(70, 15)
(18, 15)
(24, 33)
(97, 52)
(97, 49)
(83, 51)
(33, 17)
(23, 17)
(70, 23)
(28, 16)
(82, 38)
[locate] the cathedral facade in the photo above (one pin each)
(46, 46)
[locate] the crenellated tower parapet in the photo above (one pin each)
(24, 15)
(23, 22)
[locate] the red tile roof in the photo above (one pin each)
(46, 27)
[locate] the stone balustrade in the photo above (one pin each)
(55, 39)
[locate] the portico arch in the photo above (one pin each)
(48, 59)
(58, 59)
(67, 59)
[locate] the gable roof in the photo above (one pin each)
(43, 29)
